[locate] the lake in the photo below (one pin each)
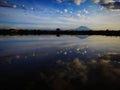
(59, 63)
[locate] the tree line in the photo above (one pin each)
(59, 32)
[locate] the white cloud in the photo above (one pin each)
(65, 10)
(102, 8)
(59, 1)
(85, 11)
(77, 2)
(96, 1)
(14, 6)
(78, 15)
(32, 8)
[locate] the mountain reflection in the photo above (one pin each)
(82, 36)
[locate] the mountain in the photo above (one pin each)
(84, 28)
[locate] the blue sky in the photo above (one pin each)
(64, 14)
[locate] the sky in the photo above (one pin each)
(64, 14)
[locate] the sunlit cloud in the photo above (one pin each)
(103, 1)
(78, 15)
(109, 4)
(96, 1)
(77, 2)
(65, 10)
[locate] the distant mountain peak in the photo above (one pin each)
(85, 28)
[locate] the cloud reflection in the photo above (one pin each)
(77, 74)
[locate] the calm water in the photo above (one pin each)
(59, 63)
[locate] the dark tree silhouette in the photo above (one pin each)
(58, 29)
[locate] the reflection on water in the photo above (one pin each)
(82, 36)
(59, 63)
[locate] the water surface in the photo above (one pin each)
(59, 63)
